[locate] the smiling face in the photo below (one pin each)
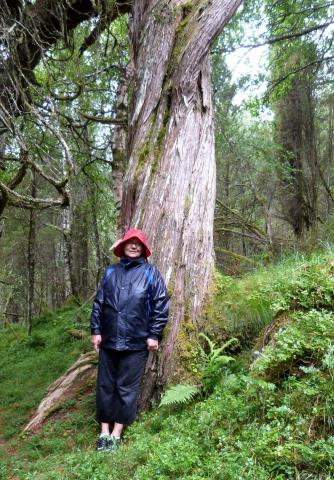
(133, 248)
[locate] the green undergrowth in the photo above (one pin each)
(243, 307)
(28, 364)
(269, 415)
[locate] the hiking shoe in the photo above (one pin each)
(113, 443)
(102, 444)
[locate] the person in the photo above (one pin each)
(129, 313)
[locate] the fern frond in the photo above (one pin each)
(179, 394)
(208, 340)
(230, 342)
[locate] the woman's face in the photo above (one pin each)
(133, 248)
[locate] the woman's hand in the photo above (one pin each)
(152, 344)
(96, 340)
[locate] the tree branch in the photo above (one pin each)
(25, 201)
(278, 38)
(106, 120)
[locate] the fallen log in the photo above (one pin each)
(81, 373)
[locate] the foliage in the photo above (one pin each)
(69, 84)
(245, 306)
(178, 394)
(302, 344)
(213, 362)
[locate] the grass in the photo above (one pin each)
(29, 364)
(244, 306)
(256, 423)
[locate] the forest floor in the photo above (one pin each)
(268, 414)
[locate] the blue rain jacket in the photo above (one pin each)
(131, 305)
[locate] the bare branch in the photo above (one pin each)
(278, 38)
(106, 120)
(317, 62)
(58, 184)
(25, 201)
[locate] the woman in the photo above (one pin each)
(130, 311)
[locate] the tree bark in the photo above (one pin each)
(31, 256)
(299, 179)
(169, 188)
(96, 233)
(69, 276)
(120, 136)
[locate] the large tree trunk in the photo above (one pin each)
(169, 188)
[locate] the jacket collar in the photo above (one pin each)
(132, 262)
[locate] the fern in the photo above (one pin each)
(214, 361)
(179, 394)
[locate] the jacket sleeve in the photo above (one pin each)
(159, 305)
(95, 318)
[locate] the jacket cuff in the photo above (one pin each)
(95, 331)
(153, 336)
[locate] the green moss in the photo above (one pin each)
(180, 35)
(161, 136)
(118, 157)
(159, 144)
(158, 149)
(142, 159)
(171, 285)
(155, 165)
(188, 346)
(187, 203)
(182, 25)
(187, 7)
(188, 352)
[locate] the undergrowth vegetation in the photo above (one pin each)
(269, 414)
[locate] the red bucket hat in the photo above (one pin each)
(132, 233)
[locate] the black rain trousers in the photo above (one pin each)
(118, 382)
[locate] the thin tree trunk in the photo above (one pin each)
(169, 188)
(96, 233)
(69, 277)
(31, 256)
(120, 137)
